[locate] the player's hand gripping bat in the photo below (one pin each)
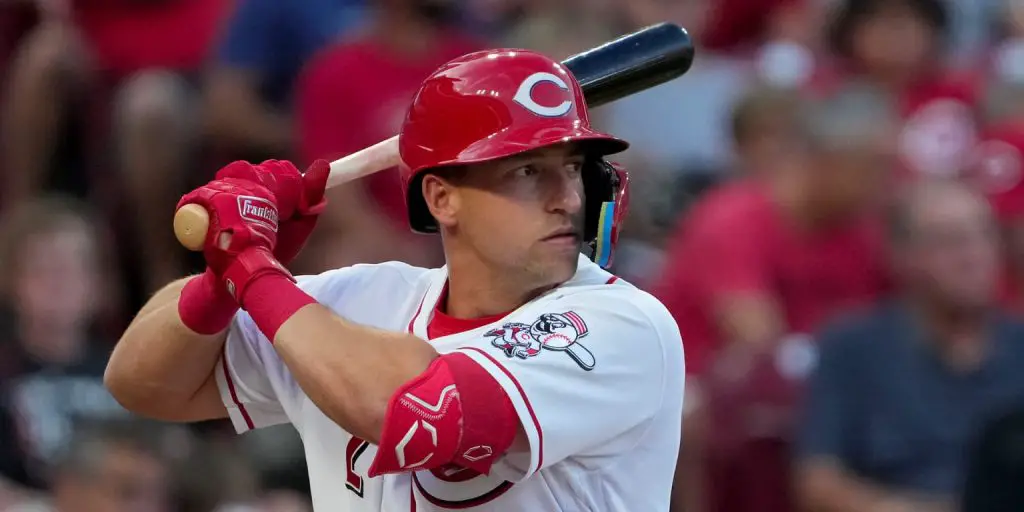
(627, 65)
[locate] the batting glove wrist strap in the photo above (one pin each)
(264, 289)
(248, 266)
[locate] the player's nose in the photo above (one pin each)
(565, 192)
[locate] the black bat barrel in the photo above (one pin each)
(643, 59)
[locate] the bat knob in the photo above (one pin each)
(190, 224)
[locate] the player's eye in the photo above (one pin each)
(525, 171)
(574, 168)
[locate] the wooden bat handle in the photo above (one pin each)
(191, 222)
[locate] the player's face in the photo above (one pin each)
(524, 214)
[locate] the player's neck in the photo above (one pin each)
(475, 298)
(475, 291)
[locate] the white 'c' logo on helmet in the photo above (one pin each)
(524, 95)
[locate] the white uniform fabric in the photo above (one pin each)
(594, 369)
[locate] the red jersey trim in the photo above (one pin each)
(476, 501)
(419, 309)
(526, 400)
(231, 389)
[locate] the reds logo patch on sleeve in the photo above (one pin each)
(559, 332)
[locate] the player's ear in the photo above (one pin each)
(442, 197)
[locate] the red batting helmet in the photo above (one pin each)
(494, 104)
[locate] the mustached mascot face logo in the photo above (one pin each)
(525, 95)
(559, 332)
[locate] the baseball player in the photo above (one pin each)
(519, 376)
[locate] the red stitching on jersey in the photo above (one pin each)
(231, 389)
(526, 400)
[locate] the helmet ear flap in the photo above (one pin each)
(606, 186)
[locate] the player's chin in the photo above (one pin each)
(559, 262)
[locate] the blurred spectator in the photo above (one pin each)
(355, 94)
(900, 45)
(756, 265)
(561, 29)
(108, 468)
(762, 127)
(680, 132)
(250, 86)
(762, 124)
(117, 74)
(54, 287)
(903, 389)
(692, 136)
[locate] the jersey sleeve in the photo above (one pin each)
(255, 385)
(585, 377)
(242, 377)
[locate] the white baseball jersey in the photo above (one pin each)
(593, 368)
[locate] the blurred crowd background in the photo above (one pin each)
(831, 204)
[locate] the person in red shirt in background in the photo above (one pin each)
(900, 45)
(354, 94)
(754, 268)
(117, 73)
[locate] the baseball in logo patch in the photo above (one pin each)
(560, 332)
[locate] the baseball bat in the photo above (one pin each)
(632, 63)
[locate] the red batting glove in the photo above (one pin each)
(242, 216)
(300, 198)
(205, 306)
(295, 229)
(243, 231)
(239, 250)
